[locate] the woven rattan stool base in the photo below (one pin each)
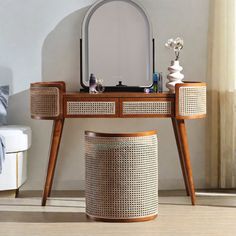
(121, 176)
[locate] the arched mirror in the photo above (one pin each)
(117, 46)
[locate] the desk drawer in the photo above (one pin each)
(160, 107)
(191, 100)
(87, 107)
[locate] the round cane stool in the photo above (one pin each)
(121, 176)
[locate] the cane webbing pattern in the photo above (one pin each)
(149, 107)
(91, 108)
(121, 177)
(45, 101)
(192, 101)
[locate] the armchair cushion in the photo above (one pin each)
(17, 138)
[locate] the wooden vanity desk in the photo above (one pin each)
(50, 101)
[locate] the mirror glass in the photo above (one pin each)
(117, 44)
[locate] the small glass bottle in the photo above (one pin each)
(160, 83)
(92, 84)
(99, 86)
(155, 83)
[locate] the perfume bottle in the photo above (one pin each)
(160, 83)
(92, 84)
(155, 83)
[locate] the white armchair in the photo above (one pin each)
(14, 171)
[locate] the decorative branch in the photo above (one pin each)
(175, 44)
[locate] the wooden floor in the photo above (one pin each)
(213, 215)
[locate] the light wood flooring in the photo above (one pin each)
(213, 215)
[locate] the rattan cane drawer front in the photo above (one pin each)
(91, 108)
(147, 108)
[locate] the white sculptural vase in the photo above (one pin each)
(175, 76)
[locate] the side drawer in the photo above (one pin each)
(191, 100)
(46, 100)
(150, 107)
(89, 107)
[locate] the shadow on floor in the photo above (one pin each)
(69, 206)
(55, 193)
(43, 217)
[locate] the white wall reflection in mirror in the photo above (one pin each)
(117, 44)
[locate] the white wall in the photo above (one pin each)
(40, 42)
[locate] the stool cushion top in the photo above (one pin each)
(18, 138)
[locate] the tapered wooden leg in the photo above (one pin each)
(55, 144)
(186, 154)
(181, 155)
